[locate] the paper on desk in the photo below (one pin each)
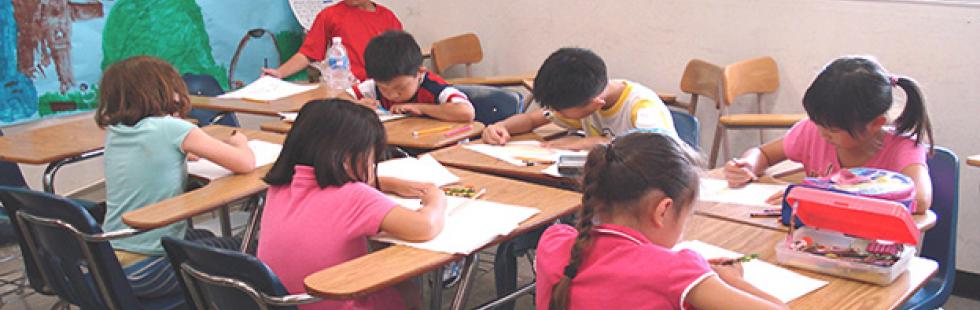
(511, 151)
(422, 169)
(469, 225)
(753, 194)
(268, 88)
(384, 117)
(265, 153)
(777, 281)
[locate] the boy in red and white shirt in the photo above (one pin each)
(400, 84)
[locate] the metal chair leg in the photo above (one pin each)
(715, 144)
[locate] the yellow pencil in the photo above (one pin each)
(431, 130)
(255, 100)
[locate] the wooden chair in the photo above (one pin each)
(700, 78)
(757, 76)
(465, 49)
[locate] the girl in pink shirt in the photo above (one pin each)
(323, 205)
(638, 194)
(846, 105)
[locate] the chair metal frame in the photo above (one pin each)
(190, 274)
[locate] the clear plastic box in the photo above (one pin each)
(852, 270)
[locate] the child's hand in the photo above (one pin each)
(431, 194)
(238, 139)
(775, 199)
(496, 134)
(369, 102)
(192, 157)
(272, 72)
(730, 273)
(575, 144)
(739, 173)
(406, 109)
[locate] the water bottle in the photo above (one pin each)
(337, 74)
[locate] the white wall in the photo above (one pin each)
(650, 41)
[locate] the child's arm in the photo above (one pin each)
(499, 133)
(235, 155)
(450, 111)
(294, 64)
(729, 290)
(923, 186)
(422, 224)
(401, 187)
(585, 143)
(753, 163)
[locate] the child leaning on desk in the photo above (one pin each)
(575, 92)
(847, 105)
(324, 201)
(638, 194)
(141, 102)
(400, 84)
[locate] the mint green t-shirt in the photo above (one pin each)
(144, 164)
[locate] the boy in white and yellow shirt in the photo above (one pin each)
(575, 93)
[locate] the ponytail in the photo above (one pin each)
(914, 118)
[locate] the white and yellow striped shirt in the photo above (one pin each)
(637, 108)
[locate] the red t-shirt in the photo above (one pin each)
(354, 26)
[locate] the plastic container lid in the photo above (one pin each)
(867, 218)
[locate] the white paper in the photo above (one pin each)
(268, 88)
(422, 169)
(384, 117)
(753, 194)
(529, 149)
(265, 153)
(469, 226)
(777, 281)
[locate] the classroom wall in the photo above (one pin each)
(651, 41)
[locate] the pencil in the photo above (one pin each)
(458, 130)
(744, 259)
(534, 160)
(254, 100)
(431, 130)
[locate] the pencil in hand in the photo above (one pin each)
(744, 259)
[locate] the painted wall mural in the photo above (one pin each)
(52, 52)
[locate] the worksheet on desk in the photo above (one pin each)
(268, 88)
(512, 152)
(753, 194)
(777, 281)
(470, 224)
(422, 169)
(265, 153)
(290, 117)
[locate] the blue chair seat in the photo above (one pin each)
(492, 104)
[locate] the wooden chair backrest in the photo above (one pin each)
(461, 49)
(754, 76)
(702, 78)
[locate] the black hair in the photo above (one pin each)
(392, 54)
(617, 176)
(569, 78)
(333, 136)
(852, 91)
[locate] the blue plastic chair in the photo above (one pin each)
(72, 254)
(205, 85)
(214, 278)
(688, 128)
(940, 241)
(492, 104)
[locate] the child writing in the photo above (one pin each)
(322, 201)
(846, 106)
(574, 91)
(141, 100)
(638, 194)
(400, 84)
(354, 21)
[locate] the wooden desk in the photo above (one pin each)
(56, 146)
(740, 213)
(215, 194)
(400, 132)
(461, 157)
(397, 263)
(270, 108)
(838, 294)
(973, 160)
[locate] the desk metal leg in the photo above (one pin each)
(253, 221)
(435, 289)
(225, 218)
(462, 291)
(47, 181)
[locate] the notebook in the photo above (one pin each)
(777, 281)
(265, 153)
(469, 226)
(268, 88)
(753, 194)
(425, 168)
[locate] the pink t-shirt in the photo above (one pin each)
(622, 270)
(804, 144)
(306, 229)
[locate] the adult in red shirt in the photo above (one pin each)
(354, 21)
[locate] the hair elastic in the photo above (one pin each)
(893, 79)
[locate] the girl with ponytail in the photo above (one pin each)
(638, 194)
(848, 127)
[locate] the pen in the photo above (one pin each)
(459, 130)
(430, 130)
(265, 62)
(767, 213)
